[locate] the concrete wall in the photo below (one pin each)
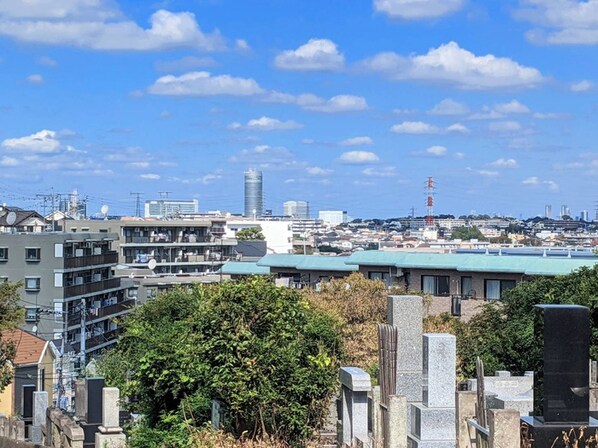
(24, 376)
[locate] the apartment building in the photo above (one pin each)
(194, 246)
(68, 280)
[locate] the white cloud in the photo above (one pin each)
(44, 141)
(184, 64)
(458, 127)
(504, 126)
(150, 176)
(436, 150)
(336, 104)
(206, 179)
(356, 141)
(387, 171)
(35, 79)
(318, 171)
(139, 165)
(487, 173)
(581, 86)
(265, 157)
(204, 84)
(504, 163)
(421, 128)
(315, 55)
(85, 24)
(417, 9)
(454, 65)
(561, 22)
(535, 181)
(9, 161)
(449, 106)
(512, 107)
(414, 127)
(242, 45)
(359, 157)
(267, 124)
(47, 61)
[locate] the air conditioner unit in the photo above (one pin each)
(78, 252)
(97, 251)
(97, 277)
(78, 280)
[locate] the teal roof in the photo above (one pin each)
(307, 262)
(528, 265)
(244, 268)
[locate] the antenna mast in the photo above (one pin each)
(430, 187)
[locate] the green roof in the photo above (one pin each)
(307, 262)
(244, 268)
(528, 265)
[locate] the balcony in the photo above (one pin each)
(91, 260)
(94, 341)
(90, 288)
(105, 311)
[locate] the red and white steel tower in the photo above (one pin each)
(430, 187)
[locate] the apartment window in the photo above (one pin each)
(494, 289)
(467, 286)
(3, 253)
(32, 284)
(30, 314)
(437, 285)
(32, 253)
(384, 276)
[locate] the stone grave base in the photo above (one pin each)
(111, 440)
(545, 434)
(414, 442)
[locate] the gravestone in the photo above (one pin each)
(561, 386)
(110, 434)
(92, 408)
(40, 406)
(433, 420)
(504, 391)
(355, 384)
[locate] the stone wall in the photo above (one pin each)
(9, 443)
(61, 431)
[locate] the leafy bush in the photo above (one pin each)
(260, 350)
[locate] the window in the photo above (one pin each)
(3, 253)
(467, 286)
(437, 285)
(384, 276)
(32, 284)
(32, 253)
(30, 314)
(494, 289)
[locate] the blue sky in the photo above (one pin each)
(346, 104)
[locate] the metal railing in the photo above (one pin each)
(91, 260)
(89, 288)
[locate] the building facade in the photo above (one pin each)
(68, 284)
(296, 209)
(333, 217)
(160, 208)
(254, 195)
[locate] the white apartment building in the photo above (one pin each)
(333, 217)
(278, 234)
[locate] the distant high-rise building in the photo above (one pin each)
(565, 211)
(333, 217)
(296, 209)
(548, 211)
(584, 216)
(160, 208)
(254, 196)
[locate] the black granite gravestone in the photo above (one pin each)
(561, 387)
(93, 412)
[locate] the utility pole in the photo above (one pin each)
(137, 203)
(83, 337)
(60, 388)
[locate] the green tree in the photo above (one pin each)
(503, 333)
(262, 351)
(11, 315)
(467, 233)
(251, 233)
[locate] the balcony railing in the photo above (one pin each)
(91, 260)
(97, 340)
(105, 311)
(156, 239)
(89, 288)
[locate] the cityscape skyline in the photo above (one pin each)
(348, 107)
